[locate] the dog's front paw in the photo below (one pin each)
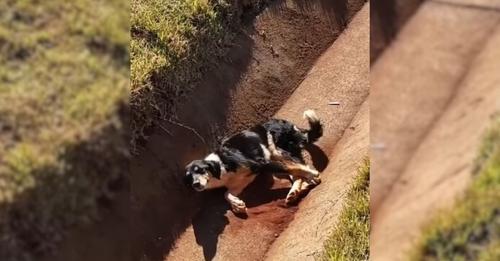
(238, 207)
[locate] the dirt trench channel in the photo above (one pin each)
(271, 57)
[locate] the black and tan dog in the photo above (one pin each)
(272, 147)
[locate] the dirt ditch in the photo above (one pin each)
(271, 57)
(269, 60)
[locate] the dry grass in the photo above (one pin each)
(471, 230)
(174, 42)
(350, 238)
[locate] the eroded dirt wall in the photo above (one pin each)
(268, 61)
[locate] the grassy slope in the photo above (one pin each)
(64, 73)
(350, 238)
(471, 230)
(172, 40)
(173, 43)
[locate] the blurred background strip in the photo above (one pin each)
(64, 77)
(434, 92)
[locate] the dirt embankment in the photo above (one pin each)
(270, 58)
(341, 74)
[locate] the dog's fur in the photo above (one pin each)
(272, 147)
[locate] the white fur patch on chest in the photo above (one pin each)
(234, 182)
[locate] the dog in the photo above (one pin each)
(271, 147)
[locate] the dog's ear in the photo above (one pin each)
(214, 168)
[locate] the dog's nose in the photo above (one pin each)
(197, 185)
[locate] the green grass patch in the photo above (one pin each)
(64, 77)
(350, 238)
(471, 229)
(174, 42)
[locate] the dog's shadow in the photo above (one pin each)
(318, 157)
(211, 220)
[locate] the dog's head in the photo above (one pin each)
(199, 173)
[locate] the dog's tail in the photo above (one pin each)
(315, 127)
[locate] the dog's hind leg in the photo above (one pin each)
(275, 152)
(294, 169)
(298, 170)
(291, 165)
(301, 176)
(299, 188)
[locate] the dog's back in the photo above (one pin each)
(253, 144)
(247, 143)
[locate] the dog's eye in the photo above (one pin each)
(198, 170)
